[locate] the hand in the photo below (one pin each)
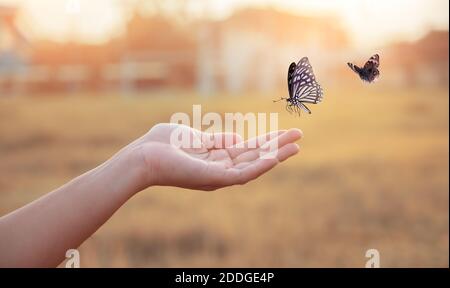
(150, 160)
(212, 165)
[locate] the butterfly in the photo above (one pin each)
(370, 70)
(302, 87)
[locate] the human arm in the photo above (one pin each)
(39, 234)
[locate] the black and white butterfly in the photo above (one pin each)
(370, 70)
(302, 87)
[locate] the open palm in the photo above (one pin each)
(218, 160)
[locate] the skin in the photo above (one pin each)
(40, 233)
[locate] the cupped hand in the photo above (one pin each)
(216, 161)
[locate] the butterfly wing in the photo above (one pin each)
(306, 88)
(370, 71)
(371, 68)
(290, 76)
(373, 62)
(355, 68)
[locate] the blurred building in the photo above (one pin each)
(142, 58)
(249, 50)
(154, 53)
(424, 62)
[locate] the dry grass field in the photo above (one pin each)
(372, 173)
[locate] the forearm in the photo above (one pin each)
(39, 234)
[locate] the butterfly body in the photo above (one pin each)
(302, 87)
(369, 72)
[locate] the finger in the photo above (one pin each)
(253, 143)
(290, 136)
(285, 138)
(220, 140)
(218, 174)
(246, 157)
(242, 165)
(255, 169)
(261, 166)
(287, 151)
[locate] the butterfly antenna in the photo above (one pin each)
(282, 98)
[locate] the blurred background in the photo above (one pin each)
(80, 79)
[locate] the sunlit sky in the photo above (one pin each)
(371, 23)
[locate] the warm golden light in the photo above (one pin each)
(80, 79)
(371, 23)
(88, 21)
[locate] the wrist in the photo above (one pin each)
(127, 171)
(147, 156)
(142, 157)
